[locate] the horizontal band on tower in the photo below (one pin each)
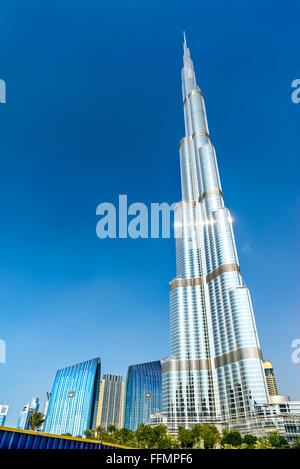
(193, 282)
(185, 365)
(210, 192)
(185, 139)
(184, 203)
(243, 353)
(190, 137)
(200, 132)
(186, 282)
(221, 270)
(191, 93)
(193, 202)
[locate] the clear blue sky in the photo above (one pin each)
(94, 110)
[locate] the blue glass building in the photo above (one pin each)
(3, 414)
(142, 393)
(74, 399)
(28, 409)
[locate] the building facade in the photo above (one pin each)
(110, 410)
(74, 399)
(270, 378)
(3, 414)
(45, 411)
(215, 371)
(142, 393)
(280, 415)
(28, 409)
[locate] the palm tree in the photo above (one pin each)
(89, 434)
(111, 428)
(99, 432)
(36, 420)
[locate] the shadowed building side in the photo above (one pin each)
(110, 410)
(142, 393)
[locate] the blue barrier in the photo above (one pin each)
(12, 438)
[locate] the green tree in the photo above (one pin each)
(143, 435)
(207, 433)
(250, 441)
(277, 441)
(296, 443)
(146, 436)
(89, 434)
(158, 434)
(99, 431)
(36, 420)
(166, 442)
(66, 434)
(226, 446)
(262, 443)
(232, 438)
(124, 436)
(111, 428)
(186, 437)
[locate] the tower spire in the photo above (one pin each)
(187, 61)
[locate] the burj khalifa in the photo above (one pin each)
(215, 370)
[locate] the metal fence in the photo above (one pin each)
(11, 438)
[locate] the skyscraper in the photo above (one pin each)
(45, 411)
(215, 371)
(74, 399)
(270, 378)
(3, 414)
(110, 410)
(142, 393)
(28, 409)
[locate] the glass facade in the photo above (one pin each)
(215, 372)
(142, 393)
(28, 409)
(3, 414)
(74, 399)
(282, 416)
(270, 378)
(110, 411)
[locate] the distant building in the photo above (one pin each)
(23, 420)
(281, 415)
(3, 414)
(35, 404)
(28, 409)
(46, 405)
(74, 399)
(270, 378)
(142, 393)
(110, 410)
